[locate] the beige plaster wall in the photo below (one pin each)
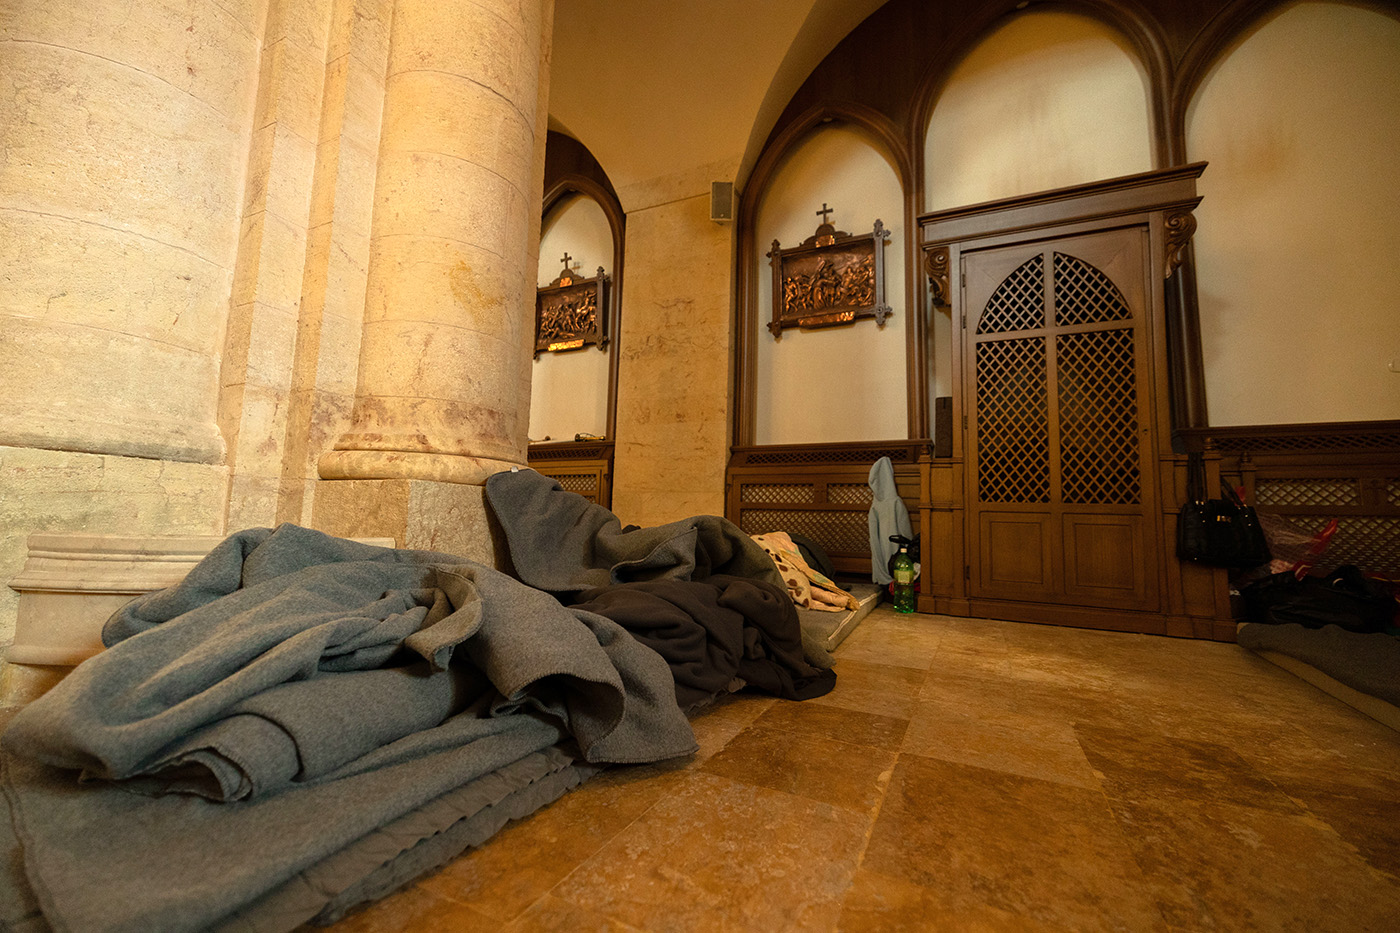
(673, 404)
(842, 383)
(569, 391)
(1048, 100)
(1299, 228)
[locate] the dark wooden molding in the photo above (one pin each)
(1170, 189)
(1331, 437)
(936, 267)
(1180, 227)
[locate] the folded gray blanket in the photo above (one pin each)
(262, 678)
(562, 543)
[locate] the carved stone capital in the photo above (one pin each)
(1180, 226)
(936, 265)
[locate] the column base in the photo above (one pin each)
(398, 464)
(434, 516)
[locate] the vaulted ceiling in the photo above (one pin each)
(655, 89)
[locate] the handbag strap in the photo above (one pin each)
(1195, 478)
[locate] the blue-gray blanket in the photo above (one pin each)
(291, 698)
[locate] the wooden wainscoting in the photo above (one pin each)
(1312, 473)
(584, 467)
(821, 491)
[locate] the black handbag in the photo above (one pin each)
(1219, 532)
(1344, 598)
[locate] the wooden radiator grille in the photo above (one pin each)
(1013, 420)
(1019, 301)
(1307, 492)
(850, 494)
(1084, 295)
(840, 533)
(799, 493)
(1098, 416)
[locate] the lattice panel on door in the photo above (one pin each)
(1392, 492)
(1321, 491)
(849, 494)
(1084, 295)
(1097, 392)
(1013, 421)
(798, 493)
(1019, 301)
(845, 532)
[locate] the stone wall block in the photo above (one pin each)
(272, 256)
(438, 362)
(424, 193)
(47, 490)
(110, 280)
(504, 55)
(303, 23)
(98, 390)
(197, 48)
(93, 140)
(502, 141)
(431, 279)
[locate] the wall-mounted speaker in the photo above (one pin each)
(722, 201)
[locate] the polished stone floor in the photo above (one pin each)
(970, 775)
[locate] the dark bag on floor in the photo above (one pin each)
(1220, 532)
(1344, 598)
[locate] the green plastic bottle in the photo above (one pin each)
(903, 573)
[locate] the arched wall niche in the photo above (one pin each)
(1045, 100)
(1300, 222)
(569, 390)
(579, 204)
(769, 209)
(831, 384)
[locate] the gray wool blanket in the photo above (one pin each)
(293, 696)
(562, 543)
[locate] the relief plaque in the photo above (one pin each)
(831, 278)
(572, 312)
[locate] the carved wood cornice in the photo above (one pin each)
(1180, 226)
(936, 265)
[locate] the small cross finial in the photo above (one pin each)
(565, 260)
(824, 212)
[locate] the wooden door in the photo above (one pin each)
(1062, 489)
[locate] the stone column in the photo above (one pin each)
(443, 392)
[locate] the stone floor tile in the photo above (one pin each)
(1017, 743)
(551, 915)
(522, 862)
(986, 841)
(880, 904)
(832, 722)
(1141, 768)
(720, 855)
(888, 637)
(1224, 867)
(718, 723)
(415, 910)
(843, 775)
(885, 690)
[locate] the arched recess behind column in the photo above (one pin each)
(886, 136)
(571, 169)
